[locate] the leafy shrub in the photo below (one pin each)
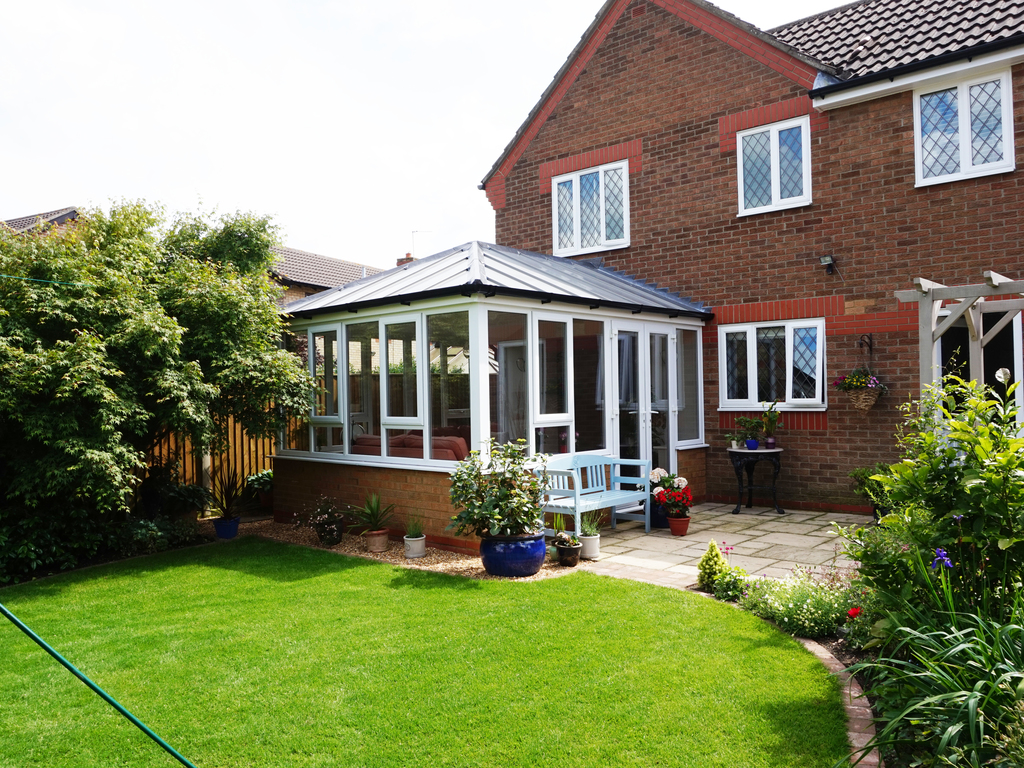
(38, 541)
(499, 495)
(731, 583)
(867, 483)
(711, 564)
(800, 604)
(959, 488)
(138, 536)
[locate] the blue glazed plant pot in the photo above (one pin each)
(226, 529)
(658, 517)
(513, 555)
(752, 445)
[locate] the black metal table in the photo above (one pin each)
(744, 459)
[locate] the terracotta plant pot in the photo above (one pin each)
(679, 525)
(376, 541)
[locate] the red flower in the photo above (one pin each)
(853, 613)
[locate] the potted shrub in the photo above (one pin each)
(327, 519)
(733, 441)
(415, 541)
(590, 534)
(262, 483)
(229, 501)
(676, 502)
(770, 422)
(750, 430)
(373, 519)
(499, 500)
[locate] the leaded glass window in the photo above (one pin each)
(590, 209)
(962, 130)
(774, 166)
(780, 361)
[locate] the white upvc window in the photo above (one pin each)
(782, 361)
(774, 164)
(964, 129)
(590, 210)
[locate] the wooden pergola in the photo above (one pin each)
(973, 301)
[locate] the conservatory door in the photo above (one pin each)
(641, 374)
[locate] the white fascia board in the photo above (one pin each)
(960, 69)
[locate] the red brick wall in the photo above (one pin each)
(692, 465)
(297, 484)
(678, 91)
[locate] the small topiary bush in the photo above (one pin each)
(711, 564)
(800, 604)
(731, 584)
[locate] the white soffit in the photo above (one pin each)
(956, 70)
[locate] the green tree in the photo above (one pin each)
(112, 334)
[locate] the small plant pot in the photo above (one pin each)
(769, 443)
(415, 546)
(376, 541)
(735, 446)
(330, 534)
(658, 517)
(591, 547)
(226, 528)
(679, 525)
(513, 555)
(568, 556)
(752, 445)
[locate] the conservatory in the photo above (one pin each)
(419, 365)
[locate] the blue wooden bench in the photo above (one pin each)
(580, 483)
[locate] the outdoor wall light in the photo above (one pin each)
(828, 262)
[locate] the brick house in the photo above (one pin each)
(748, 157)
(789, 181)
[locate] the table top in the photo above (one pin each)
(759, 450)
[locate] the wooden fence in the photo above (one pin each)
(245, 454)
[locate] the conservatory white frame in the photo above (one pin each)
(477, 307)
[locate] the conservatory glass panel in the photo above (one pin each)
(401, 362)
(588, 383)
(448, 336)
(325, 371)
(363, 346)
(688, 415)
(508, 377)
(551, 344)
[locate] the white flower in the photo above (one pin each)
(680, 482)
(657, 474)
(659, 492)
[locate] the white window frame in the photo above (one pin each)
(605, 244)
(311, 333)
(777, 203)
(967, 168)
(819, 402)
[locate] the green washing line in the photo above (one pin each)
(106, 697)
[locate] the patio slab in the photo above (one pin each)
(763, 542)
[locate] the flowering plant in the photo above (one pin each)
(676, 502)
(859, 378)
(671, 492)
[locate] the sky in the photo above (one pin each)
(363, 129)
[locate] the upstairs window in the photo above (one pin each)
(590, 210)
(774, 163)
(766, 362)
(964, 130)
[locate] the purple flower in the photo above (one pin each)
(958, 518)
(941, 557)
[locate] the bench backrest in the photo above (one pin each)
(592, 472)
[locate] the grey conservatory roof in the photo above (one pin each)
(495, 270)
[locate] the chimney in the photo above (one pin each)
(403, 261)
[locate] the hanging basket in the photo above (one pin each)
(864, 399)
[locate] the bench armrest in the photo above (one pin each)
(643, 480)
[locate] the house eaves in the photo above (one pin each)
(493, 270)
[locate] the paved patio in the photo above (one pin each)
(763, 541)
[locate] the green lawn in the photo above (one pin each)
(262, 654)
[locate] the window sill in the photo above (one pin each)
(417, 465)
(799, 203)
(595, 249)
(781, 407)
(972, 174)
